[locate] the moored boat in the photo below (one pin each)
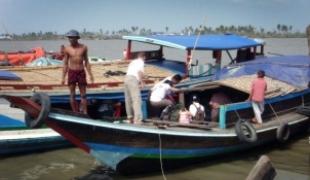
(20, 58)
(109, 75)
(122, 146)
(17, 138)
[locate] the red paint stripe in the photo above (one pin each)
(73, 139)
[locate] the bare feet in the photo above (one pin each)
(254, 121)
(137, 122)
(258, 125)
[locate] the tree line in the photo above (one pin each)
(280, 31)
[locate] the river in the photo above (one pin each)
(292, 160)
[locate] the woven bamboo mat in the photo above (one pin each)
(50, 77)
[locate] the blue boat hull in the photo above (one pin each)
(16, 138)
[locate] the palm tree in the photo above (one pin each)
(279, 27)
(290, 28)
(167, 29)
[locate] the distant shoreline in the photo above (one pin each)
(120, 38)
(279, 31)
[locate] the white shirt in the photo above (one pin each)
(160, 91)
(193, 109)
(162, 81)
(134, 67)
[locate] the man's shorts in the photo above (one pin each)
(77, 77)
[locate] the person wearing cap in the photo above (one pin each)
(197, 110)
(257, 96)
(75, 63)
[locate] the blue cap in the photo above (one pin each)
(73, 33)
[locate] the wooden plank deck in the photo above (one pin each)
(48, 79)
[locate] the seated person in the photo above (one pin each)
(197, 110)
(161, 95)
(216, 100)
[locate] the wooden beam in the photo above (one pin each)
(263, 170)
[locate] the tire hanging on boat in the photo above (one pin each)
(245, 131)
(43, 100)
(283, 132)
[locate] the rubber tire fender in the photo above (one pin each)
(44, 101)
(283, 132)
(245, 131)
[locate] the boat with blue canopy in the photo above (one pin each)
(109, 75)
(246, 50)
(162, 143)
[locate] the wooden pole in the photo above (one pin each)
(128, 53)
(188, 62)
(308, 37)
(263, 170)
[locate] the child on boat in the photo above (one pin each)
(185, 116)
(197, 110)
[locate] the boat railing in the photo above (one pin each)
(202, 70)
(229, 114)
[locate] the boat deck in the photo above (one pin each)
(212, 128)
(107, 76)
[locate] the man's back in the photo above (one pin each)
(259, 86)
(134, 67)
(197, 111)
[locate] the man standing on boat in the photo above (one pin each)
(74, 64)
(133, 82)
(257, 96)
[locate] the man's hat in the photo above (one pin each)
(195, 98)
(73, 33)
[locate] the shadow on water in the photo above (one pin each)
(98, 173)
(153, 167)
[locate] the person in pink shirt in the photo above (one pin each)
(257, 96)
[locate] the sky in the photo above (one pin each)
(24, 16)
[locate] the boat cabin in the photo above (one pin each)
(223, 48)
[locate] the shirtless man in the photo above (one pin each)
(75, 61)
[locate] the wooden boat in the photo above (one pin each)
(20, 58)
(109, 75)
(124, 146)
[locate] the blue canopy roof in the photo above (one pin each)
(294, 70)
(204, 42)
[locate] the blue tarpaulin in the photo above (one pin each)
(43, 61)
(7, 75)
(294, 70)
(202, 42)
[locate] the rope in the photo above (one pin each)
(274, 112)
(196, 41)
(237, 114)
(160, 158)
